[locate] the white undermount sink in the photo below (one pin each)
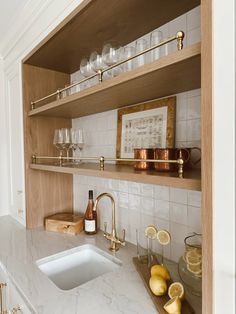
(72, 268)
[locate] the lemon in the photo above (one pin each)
(160, 270)
(173, 306)
(158, 285)
(176, 289)
(193, 257)
(195, 269)
(151, 232)
(163, 237)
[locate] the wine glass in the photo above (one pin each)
(58, 140)
(156, 38)
(86, 70)
(111, 54)
(66, 140)
(96, 62)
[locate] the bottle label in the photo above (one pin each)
(89, 225)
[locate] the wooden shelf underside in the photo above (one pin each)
(163, 77)
(191, 180)
(95, 22)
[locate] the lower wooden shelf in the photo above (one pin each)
(191, 180)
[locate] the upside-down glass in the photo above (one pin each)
(141, 45)
(156, 38)
(128, 51)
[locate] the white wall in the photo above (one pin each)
(224, 156)
(4, 201)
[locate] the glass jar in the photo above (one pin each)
(190, 264)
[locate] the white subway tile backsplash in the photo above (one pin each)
(194, 198)
(161, 192)
(181, 131)
(179, 213)
(194, 130)
(193, 36)
(147, 190)
(135, 202)
(178, 196)
(194, 107)
(162, 209)
(193, 18)
(147, 205)
(194, 218)
(178, 232)
(134, 188)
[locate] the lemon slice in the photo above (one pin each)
(176, 289)
(160, 270)
(151, 232)
(193, 257)
(163, 237)
(195, 269)
(173, 306)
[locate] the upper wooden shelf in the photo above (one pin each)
(191, 180)
(97, 21)
(160, 78)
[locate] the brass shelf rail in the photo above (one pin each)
(179, 37)
(101, 160)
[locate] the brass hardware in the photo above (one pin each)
(15, 310)
(32, 105)
(2, 310)
(102, 161)
(34, 159)
(115, 241)
(179, 37)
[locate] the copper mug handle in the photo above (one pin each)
(180, 154)
(199, 159)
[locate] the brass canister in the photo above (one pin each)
(143, 153)
(165, 154)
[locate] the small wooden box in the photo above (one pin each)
(64, 223)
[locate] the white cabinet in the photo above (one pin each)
(11, 301)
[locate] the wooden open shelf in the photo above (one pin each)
(95, 22)
(160, 78)
(191, 181)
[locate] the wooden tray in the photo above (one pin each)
(159, 302)
(64, 223)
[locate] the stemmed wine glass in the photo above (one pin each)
(77, 139)
(66, 134)
(86, 70)
(58, 140)
(111, 54)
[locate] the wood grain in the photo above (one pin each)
(163, 77)
(159, 302)
(169, 102)
(191, 181)
(95, 22)
(206, 142)
(46, 193)
(64, 223)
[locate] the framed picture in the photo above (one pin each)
(146, 125)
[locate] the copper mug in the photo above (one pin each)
(165, 154)
(143, 153)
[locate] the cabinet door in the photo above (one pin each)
(15, 142)
(16, 304)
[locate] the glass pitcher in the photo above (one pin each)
(190, 264)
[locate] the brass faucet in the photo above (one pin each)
(115, 241)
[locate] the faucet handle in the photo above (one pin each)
(122, 240)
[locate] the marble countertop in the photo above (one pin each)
(120, 291)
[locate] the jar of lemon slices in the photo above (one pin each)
(190, 264)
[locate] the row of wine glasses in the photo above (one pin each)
(68, 139)
(113, 53)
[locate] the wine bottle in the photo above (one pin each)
(90, 216)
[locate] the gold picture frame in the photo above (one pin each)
(158, 115)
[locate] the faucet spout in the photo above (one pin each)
(115, 241)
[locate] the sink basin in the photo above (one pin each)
(72, 268)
